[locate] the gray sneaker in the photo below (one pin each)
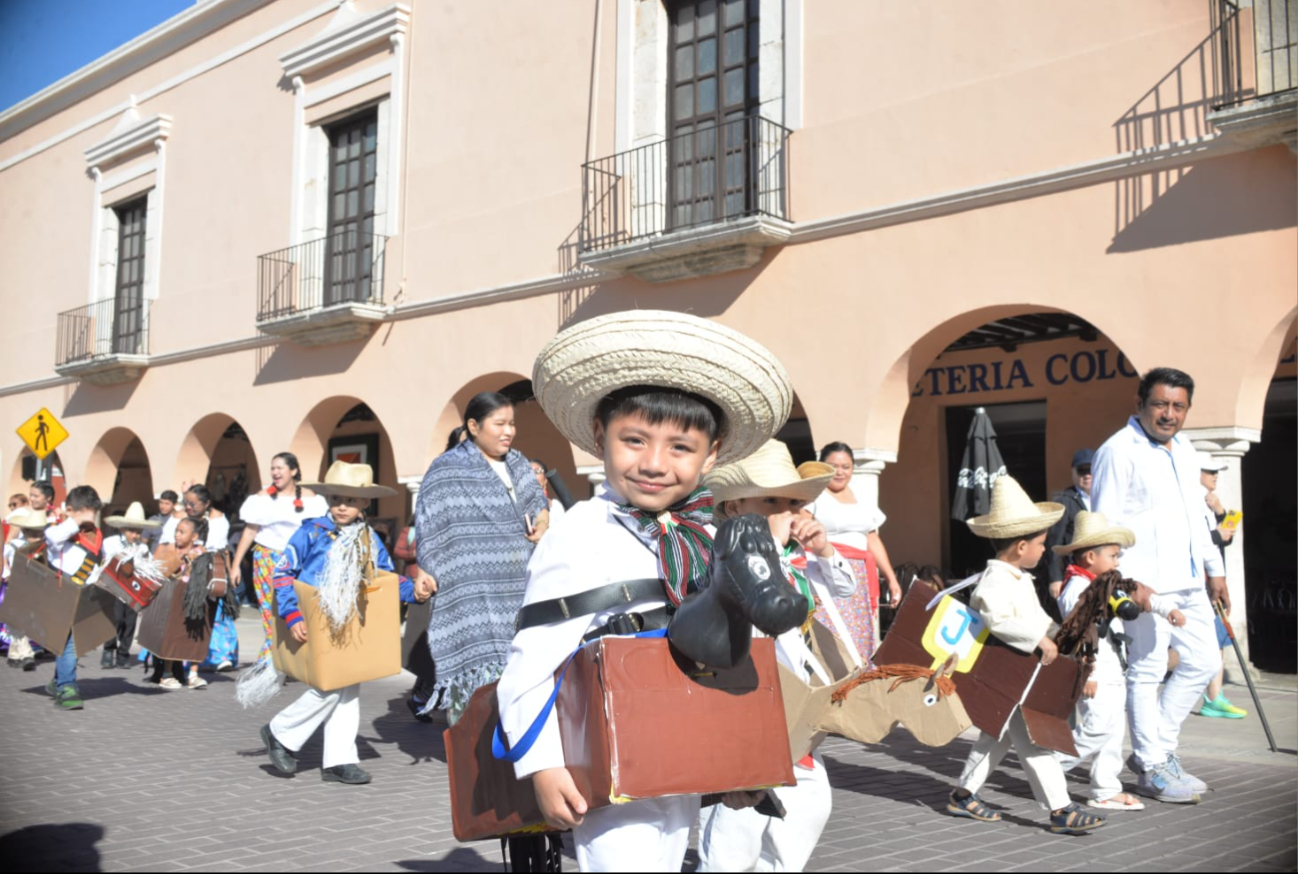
(1174, 765)
(1160, 784)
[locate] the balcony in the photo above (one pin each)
(326, 291)
(104, 343)
(1263, 111)
(705, 202)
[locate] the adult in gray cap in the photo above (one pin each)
(1075, 499)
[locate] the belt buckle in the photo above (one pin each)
(625, 623)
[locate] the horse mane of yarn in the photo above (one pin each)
(1078, 635)
(899, 674)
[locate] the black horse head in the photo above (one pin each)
(745, 588)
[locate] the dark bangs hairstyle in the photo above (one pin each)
(657, 405)
(84, 498)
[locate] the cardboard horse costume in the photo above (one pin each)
(44, 605)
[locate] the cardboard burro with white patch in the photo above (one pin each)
(47, 606)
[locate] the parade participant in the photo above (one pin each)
(270, 518)
(853, 528)
(336, 554)
(26, 526)
(75, 549)
(188, 539)
(767, 484)
(1147, 479)
(40, 499)
(660, 397)
(1101, 720)
(223, 654)
(479, 516)
(130, 540)
(1007, 600)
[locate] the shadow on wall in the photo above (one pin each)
(1221, 197)
(288, 361)
(62, 847)
(87, 399)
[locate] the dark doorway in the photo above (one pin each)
(1021, 437)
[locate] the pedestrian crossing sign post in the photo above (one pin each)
(42, 433)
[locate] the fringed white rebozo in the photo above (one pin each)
(259, 684)
(345, 572)
(145, 565)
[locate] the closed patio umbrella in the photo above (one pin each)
(979, 468)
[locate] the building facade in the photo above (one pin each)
(322, 227)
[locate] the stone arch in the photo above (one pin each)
(1257, 378)
(118, 468)
(334, 420)
(218, 453)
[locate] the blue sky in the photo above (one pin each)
(41, 41)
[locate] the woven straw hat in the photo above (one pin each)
(29, 519)
(583, 364)
(767, 472)
(1013, 513)
(350, 480)
(134, 518)
(1093, 529)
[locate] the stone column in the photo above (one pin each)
(1229, 445)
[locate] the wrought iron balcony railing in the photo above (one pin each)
(736, 169)
(345, 267)
(1274, 44)
(117, 326)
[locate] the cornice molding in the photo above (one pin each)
(347, 34)
(121, 142)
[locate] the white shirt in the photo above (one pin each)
(847, 524)
(502, 471)
(1157, 494)
(65, 554)
(10, 548)
(829, 576)
(278, 519)
(218, 532)
(1007, 601)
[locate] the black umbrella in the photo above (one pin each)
(979, 468)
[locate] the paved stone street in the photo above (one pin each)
(145, 779)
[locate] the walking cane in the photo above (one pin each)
(1230, 632)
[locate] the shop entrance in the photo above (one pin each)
(1021, 438)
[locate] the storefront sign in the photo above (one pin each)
(1060, 368)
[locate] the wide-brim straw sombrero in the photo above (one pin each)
(29, 519)
(768, 472)
(134, 518)
(586, 362)
(1013, 514)
(351, 481)
(1094, 529)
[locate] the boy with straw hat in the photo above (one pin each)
(1006, 598)
(130, 539)
(767, 484)
(661, 397)
(1102, 711)
(28, 525)
(335, 554)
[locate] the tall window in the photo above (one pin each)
(349, 255)
(128, 307)
(713, 90)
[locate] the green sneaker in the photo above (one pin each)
(1217, 708)
(1223, 703)
(69, 698)
(51, 689)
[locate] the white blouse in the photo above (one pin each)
(847, 524)
(218, 532)
(278, 518)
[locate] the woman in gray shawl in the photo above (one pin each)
(479, 516)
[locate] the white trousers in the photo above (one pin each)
(1156, 723)
(1101, 722)
(744, 840)
(339, 711)
(648, 835)
(1039, 764)
(20, 648)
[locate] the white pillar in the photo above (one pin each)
(1229, 445)
(867, 464)
(594, 473)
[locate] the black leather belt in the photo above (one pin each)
(589, 603)
(631, 623)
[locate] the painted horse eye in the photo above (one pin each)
(930, 699)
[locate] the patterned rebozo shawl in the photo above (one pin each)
(472, 539)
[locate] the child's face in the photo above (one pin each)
(1103, 559)
(1026, 553)
(184, 536)
(345, 510)
(779, 512)
(131, 535)
(653, 466)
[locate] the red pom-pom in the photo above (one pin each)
(297, 502)
(272, 491)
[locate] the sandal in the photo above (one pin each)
(1121, 801)
(1074, 820)
(196, 682)
(169, 683)
(971, 807)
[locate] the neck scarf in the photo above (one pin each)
(682, 539)
(1074, 570)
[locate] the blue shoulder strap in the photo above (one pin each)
(498, 748)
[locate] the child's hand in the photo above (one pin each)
(1089, 690)
(1048, 650)
(425, 586)
(811, 534)
(558, 798)
(1177, 618)
(781, 527)
(299, 632)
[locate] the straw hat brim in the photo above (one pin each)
(127, 522)
(29, 523)
(327, 489)
(1048, 513)
(1124, 537)
(724, 489)
(586, 362)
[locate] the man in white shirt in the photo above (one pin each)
(1146, 478)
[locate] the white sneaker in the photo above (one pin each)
(1174, 765)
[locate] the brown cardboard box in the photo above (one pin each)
(166, 633)
(636, 723)
(368, 648)
(46, 606)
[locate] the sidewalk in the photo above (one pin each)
(145, 779)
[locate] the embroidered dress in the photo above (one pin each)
(277, 520)
(263, 575)
(473, 540)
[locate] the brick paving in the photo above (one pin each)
(146, 779)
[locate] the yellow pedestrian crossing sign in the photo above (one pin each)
(42, 433)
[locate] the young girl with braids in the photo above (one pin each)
(205, 577)
(1089, 585)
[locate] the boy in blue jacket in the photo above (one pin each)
(333, 553)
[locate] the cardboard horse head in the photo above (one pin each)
(872, 704)
(745, 588)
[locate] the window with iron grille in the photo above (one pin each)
(128, 307)
(350, 253)
(713, 89)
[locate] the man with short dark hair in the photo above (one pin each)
(1075, 499)
(166, 506)
(1146, 478)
